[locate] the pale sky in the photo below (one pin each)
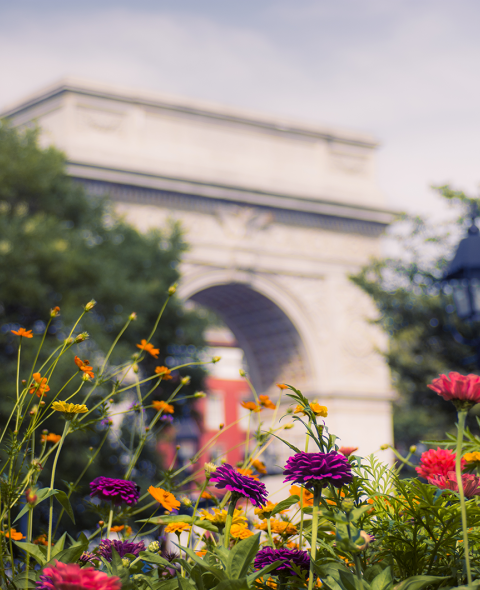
(406, 71)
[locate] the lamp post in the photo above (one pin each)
(463, 276)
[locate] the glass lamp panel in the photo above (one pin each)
(462, 301)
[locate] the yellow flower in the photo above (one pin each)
(472, 457)
(162, 406)
(259, 466)
(220, 516)
(240, 531)
(317, 409)
(69, 410)
(266, 511)
(177, 527)
(283, 528)
(166, 499)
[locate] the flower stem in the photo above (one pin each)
(317, 492)
(52, 481)
(269, 530)
(228, 521)
(302, 495)
(195, 510)
(110, 520)
(462, 415)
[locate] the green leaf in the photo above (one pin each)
(233, 584)
(70, 555)
(25, 580)
(383, 581)
(418, 582)
(183, 584)
(59, 545)
(217, 572)
(154, 558)
(356, 513)
(167, 585)
(265, 570)
(42, 495)
(207, 525)
(65, 502)
(241, 556)
(285, 504)
(34, 550)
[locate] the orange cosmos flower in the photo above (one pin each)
(12, 534)
(307, 496)
(166, 499)
(282, 386)
(24, 333)
(84, 366)
(162, 406)
(117, 529)
(177, 527)
(252, 406)
(164, 372)
(247, 473)
(207, 496)
(54, 312)
(259, 466)
(41, 540)
(39, 386)
(266, 402)
(317, 409)
(50, 437)
(201, 553)
(148, 347)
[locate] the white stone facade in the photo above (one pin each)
(277, 214)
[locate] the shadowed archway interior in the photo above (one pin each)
(271, 343)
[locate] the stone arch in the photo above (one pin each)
(265, 320)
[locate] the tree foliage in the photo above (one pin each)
(418, 314)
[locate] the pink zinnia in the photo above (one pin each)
(70, 576)
(458, 388)
(471, 483)
(437, 462)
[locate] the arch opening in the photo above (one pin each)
(274, 351)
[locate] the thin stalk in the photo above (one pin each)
(313, 548)
(110, 520)
(228, 521)
(205, 483)
(100, 373)
(247, 439)
(462, 415)
(18, 381)
(29, 535)
(252, 388)
(52, 481)
(269, 531)
(302, 495)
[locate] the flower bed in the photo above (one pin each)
(345, 523)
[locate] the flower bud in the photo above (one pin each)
(81, 337)
(186, 502)
(101, 523)
(289, 426)
(242, 372)
(178, 447)
(85, 377)
(216, 359)
(413, 448)
(125, 562)
(348, 504)
(147, 429)
(90, 305)
(384, 447)
(210, 468)
(30, 496)
(221, 426)
(172, 290)
(24, 381)
(135, 368)
(54, 312)
(90, 448)
(69, 340)
(199, 394)
(42, 403)
(132, 317)
(185, 380)
(44, 431)
(154, 547)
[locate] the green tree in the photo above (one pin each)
(60, 246)
(419, 317)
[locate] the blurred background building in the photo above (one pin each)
(277, 214)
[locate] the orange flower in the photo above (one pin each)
(24, 333)
(83, 366)
(162, 406)
(12, 534)
(117, 529)
(307, 496)
(148, 347)
(164, 372)
(177, 527)
(207, 496)
(201, 553)
(128, 531)
(40, 386)
(166, 499)
(317, 409)
(50, 438)
(41, 540)
(259, 466)
(266, 402)
(282, 386)
(240, 531)
(247, 473)
(54, 312)
(252, 406)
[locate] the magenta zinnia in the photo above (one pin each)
(121, 547)
(226, 477)
(437, 462)
(70, 576)
(462, 390)
(318, 469)
(119, 491)
(290, 557)
(471, 483)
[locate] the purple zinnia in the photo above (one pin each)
(121, 547)
(119, 491)
(267, 555)
(318, 469)
(225, 477)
